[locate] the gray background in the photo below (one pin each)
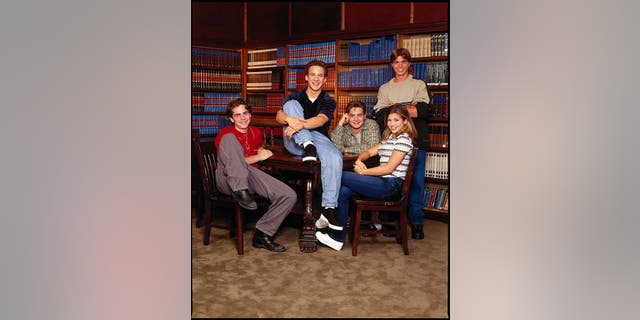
(95, 174)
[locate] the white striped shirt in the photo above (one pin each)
(401, 143)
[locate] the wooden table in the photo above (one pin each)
(283, 161)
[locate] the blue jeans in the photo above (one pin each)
(329, 156)
(368, 186)
(416, 191)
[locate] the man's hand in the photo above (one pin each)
(264, 154)
(344, 120)
(296, 123)
(413, 111)
(289, 132)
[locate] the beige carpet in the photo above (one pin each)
(379, 282)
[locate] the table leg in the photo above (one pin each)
(308, 242)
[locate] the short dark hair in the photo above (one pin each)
(355, 104)
(315, 63)
(235, 103)
(400, 52)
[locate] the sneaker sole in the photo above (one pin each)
(332, 226)
(309, 159)
(328, 241)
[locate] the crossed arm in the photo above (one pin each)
(296, 124)
(360, 168)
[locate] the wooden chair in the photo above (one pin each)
(398, 204)
(206, 154)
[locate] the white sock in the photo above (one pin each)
(307, 143)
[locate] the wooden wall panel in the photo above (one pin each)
(217, 24)
(267, 23)
(430, 12)
(369, 16)
(315, 17)
(220, 24)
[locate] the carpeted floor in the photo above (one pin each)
(379, 282)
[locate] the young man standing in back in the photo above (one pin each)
(306, 116)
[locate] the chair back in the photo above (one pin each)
(404, 191)
(206, 154)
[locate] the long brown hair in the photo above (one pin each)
(409, 128)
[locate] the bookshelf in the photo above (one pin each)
(216, 79)
(265, 74)
(298, 55)
(357, 67)
(363, 66)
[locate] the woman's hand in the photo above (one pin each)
(359, 167)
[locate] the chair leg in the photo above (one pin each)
(356, 232)
(403, 230)
(208, 213)
(239, 229)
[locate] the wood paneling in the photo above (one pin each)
(430, 12)
(221, 24)
(366, 16)
(217, 24)
(267, 23)
(314, 17)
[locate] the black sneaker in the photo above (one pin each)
(309, 153)
(329, 216)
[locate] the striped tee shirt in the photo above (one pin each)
(401, 143)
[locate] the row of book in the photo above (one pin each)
(376, 49)
(428, 45)
(296, 79)
(435, 197)
(261, 80)
(435, 73)
(301, 54)
(431, 45)
(265, 58)
(437, 165)
(438, 135)
(216, 79)
(365, 78)
(211, 102)
(209, 124)
(214, 58)
(269, 102)
(439, 105)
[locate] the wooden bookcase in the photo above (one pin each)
(356, 69)
(216, 79)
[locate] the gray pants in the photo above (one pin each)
(233, 173)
